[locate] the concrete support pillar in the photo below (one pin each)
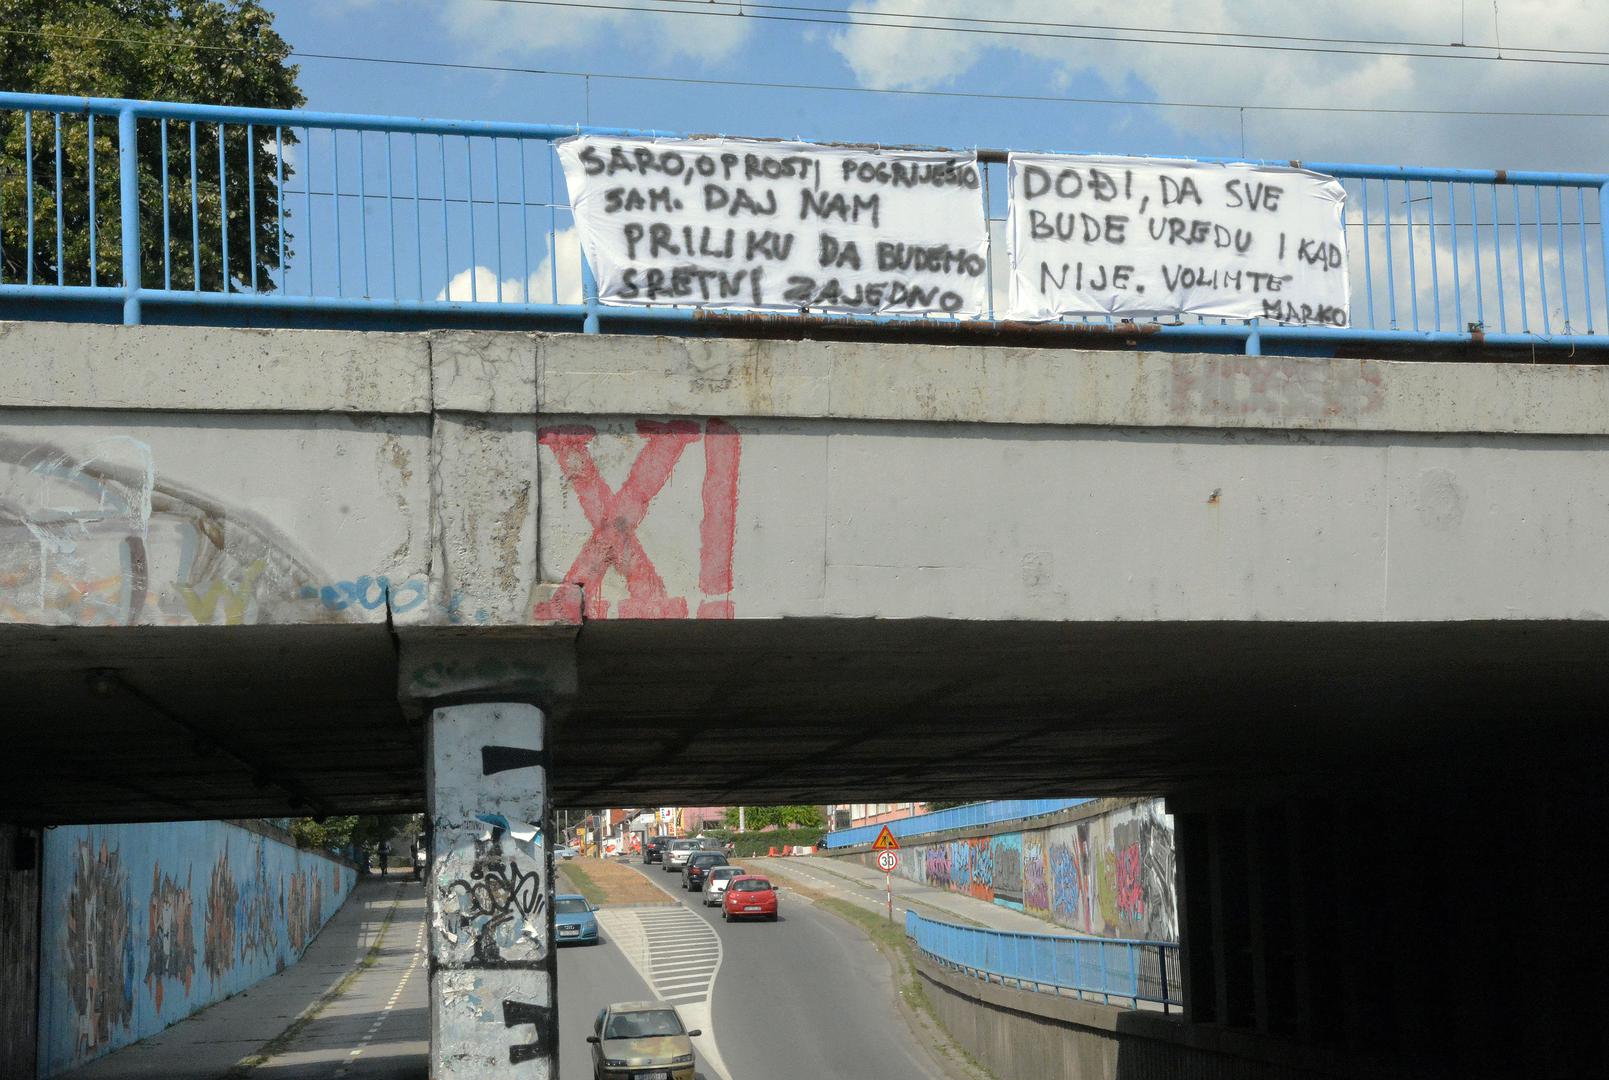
(493, 976)
(20, 859)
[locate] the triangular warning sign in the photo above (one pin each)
(885, 841)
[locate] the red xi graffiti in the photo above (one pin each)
(615, 516)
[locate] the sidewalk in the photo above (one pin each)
(865, 886)
(208, 1044)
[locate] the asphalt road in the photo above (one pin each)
(804, 997)
(799, 999)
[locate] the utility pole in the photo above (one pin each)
(742, 819)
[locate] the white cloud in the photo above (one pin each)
(903, 58)
(480, 282)
(513, 30)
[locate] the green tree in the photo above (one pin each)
(783, 817)
(340, 833)
(330, 834)
(213, 52)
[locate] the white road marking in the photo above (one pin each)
(678, 954)
(374, 1028)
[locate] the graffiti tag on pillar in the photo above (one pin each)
(496, 759)
(615, 516)
(497, 903)
(519, 1014)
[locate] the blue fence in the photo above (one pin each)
(1135, 972)
(380, 220)
(960, 817)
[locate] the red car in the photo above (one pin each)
(749, 898)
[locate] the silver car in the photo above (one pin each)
(677, 853)
(715, 883)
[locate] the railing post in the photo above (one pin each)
(1603, 241)
(1162, 962)
(1254, 340)
(128, 173)
(1134, 973)
(589, 296)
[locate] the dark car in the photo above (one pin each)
(653, 849)
(698, 865)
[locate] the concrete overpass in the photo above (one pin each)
(1310, 600)
(238, 565)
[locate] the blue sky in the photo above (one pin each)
(1284, 99)
(731, 47)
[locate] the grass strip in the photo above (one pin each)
(606, 884)
(282, 1042)
(579, 881)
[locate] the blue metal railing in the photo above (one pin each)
(434, 221)
(959, 817)
(1136, 972)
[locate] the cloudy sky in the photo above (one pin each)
(1360, 55)
(1512, 84)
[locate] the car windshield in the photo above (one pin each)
(721, 873)
(707, 860)
(681, 845)
(752, 885)
(570, 905)
(643, 1025)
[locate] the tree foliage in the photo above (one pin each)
(783, 817)
(214, 52)
(343, 833)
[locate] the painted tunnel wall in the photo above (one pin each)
(1110, 874)
(142, 925)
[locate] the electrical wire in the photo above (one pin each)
(743, 6)
(514, 69)
(963, 94)
(851, 21)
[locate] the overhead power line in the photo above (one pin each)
(853, 19)
(963, 94)
(741, 7)
(978, 95)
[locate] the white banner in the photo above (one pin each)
(1147, 237)
(779, 226)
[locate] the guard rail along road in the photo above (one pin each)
(957, 817)
(1135, 972)
(307, 218)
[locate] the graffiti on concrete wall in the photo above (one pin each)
(127, 908)
(96, 537)
(98, 962)
(1035, 876)
(222, 897)
(1110, 875)
(1005, 861)
(172, 935)
(611, 546)
(256, 915)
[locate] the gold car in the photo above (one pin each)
(641, 1040)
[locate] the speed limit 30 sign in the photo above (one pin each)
(887, 861)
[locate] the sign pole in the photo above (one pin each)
(887, 859)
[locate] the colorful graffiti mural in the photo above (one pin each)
(97, 946)
(94, 536)
(172, 935)
(1109, 874)
(122, 977)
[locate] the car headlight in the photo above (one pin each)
(682, 1059)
